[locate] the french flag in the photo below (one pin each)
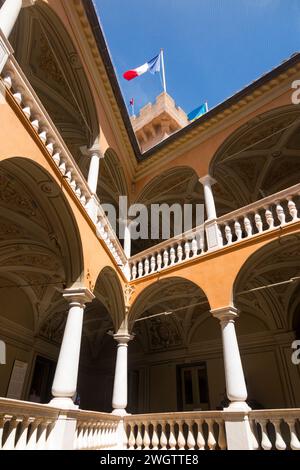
(153, 66)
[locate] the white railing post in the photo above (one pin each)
(65, 379)
(9, 13)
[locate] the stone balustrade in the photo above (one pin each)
(25, 426)
(176, 431)
(95, 431)
(276, 429)
(24, 95)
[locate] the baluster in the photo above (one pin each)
(248, 226)
(279, 442)
(194, 246)
(2, 422)
(63, 168)
(238, 230)
(163, 437)
(7, 82)
(266, 444)
(187, 250)
(200, 437)
(147, 440)
(27, 111)
(294, 441)
(181, 438)
(131, 439)
(211, 441)
(35, 124)
(179, 252)
(172, 438)
(18, 97)
(50, 148)
(85, 436)
(228, 234)
(133, 272)
(280, 213)
(191, 443)
(269, 218)
(258, 222)
(222, 436)
(292, 209)
(140, 269)
(43, 136)
(79, 439)
(153, 264)
(166, 258)
(139, 439)
(147, 266)
(155, 439)
(172, 255)
(11, 437)
(22, 441)
(159, 262)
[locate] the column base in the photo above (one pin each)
(238, 406)
(63, 403)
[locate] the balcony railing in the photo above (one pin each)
(28, 426)
(31, 106)
(266, 215)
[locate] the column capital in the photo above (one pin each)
(229, 313)
(80, 295)
(207, 179)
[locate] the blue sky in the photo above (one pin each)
(213, 48)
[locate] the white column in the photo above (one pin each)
(9, 13)
(234, 375)
(119, 401)
(207, 182)
(65, 380)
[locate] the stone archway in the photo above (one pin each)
(257, 160)
(268, 301)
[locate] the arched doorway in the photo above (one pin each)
(266, 293)
(41, 254)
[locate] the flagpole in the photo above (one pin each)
(163, 70)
